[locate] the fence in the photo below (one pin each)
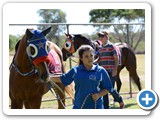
(131, 33)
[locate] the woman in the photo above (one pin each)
(91, 81)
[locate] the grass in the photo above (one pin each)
(130, 103)
(49, 101)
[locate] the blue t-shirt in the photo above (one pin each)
(87, 82)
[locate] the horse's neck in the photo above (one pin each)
(89, 43)
(83, 43)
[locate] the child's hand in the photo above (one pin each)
(95, 96)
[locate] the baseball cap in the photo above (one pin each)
(102, 33)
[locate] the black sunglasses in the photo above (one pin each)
(101, 35)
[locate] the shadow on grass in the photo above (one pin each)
(126, 106)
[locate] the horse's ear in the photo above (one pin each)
(66, 34)
(69, 35)
(46, 31)
(29, 34)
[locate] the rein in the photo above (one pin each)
(85, 99)
(53, 85)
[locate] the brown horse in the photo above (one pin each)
(128, 58)
(29, 73)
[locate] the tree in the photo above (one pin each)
(12, 41)
(122, 33)
(52, 16)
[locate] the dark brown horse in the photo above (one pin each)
(29, 73)
(128, 58)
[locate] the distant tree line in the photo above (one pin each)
(133, 35)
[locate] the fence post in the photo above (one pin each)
(128, 42)
(70, 63)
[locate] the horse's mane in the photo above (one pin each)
(86, 40)
(82, 37)
(17, 45)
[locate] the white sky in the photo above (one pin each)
(31, 16)
(26, 13)
(22, 15)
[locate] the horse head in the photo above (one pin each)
(37, 51)
(73, 42)
(32, 52)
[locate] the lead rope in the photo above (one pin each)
(95, 103)
(54, 86)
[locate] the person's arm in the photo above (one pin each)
(66, 78)
(114, 72)
(69, 88)
(55, 78)
(96, 96)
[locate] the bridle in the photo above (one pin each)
(70, 46)
(33, 59)
(31, 72)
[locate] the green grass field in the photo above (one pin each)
(130, 103)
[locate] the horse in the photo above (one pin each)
(29, 71)
(128, 58)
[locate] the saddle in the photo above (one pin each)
(55, 65)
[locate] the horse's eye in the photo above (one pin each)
(47, 48)
(67, 45)
(32, 50)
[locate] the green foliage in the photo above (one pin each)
(111, 15)
(53, 16)
(130, 34)
(100, 15)
(12, 41)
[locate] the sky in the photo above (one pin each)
(31, 16)
(17, 16)
(77, 13)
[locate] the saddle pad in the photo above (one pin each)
(55, 65)
(119, 55)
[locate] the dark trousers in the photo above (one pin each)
(114, 93)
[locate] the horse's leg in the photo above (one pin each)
(118, 83)
(27, 105)
(16, 104)
(118, 80)
(61, 101)
(131, 66)
(134, 76)
(34, 103)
